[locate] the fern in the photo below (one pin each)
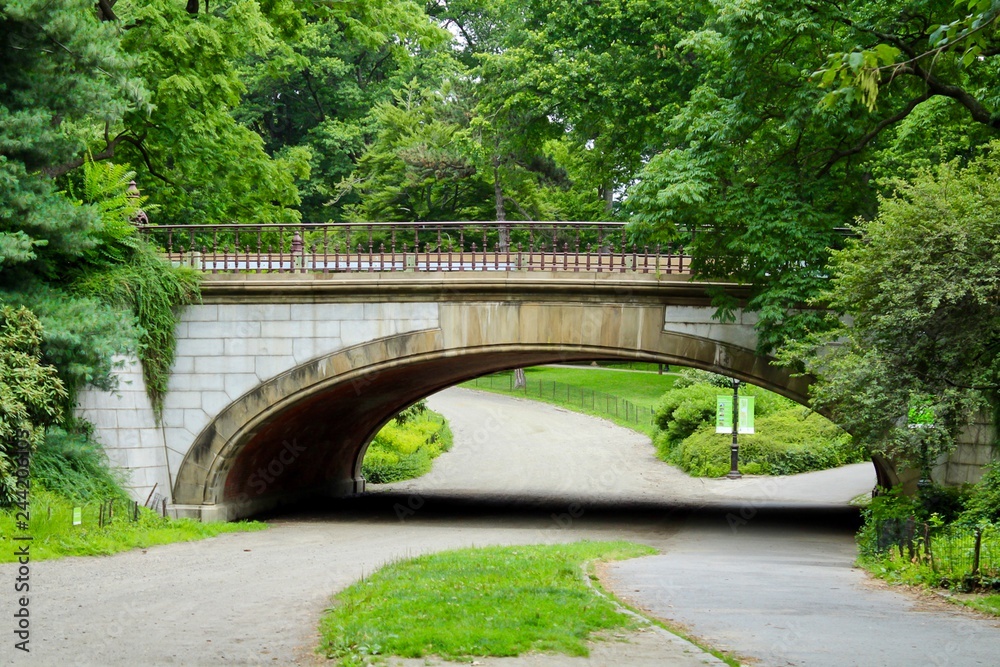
(126, 272)
(106, 188)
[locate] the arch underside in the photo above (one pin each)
(304, 432)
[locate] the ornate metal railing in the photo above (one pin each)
(433, 246)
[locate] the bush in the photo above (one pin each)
(786, 443)
(983, 503)
(689, 406)
(406, 448)
(75, 467)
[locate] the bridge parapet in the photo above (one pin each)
(576, 247)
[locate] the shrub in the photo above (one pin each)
(983, 503)
(75, 467)
(688, 407)
(406, 449)
(786, 443)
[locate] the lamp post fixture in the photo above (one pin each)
(734, 449)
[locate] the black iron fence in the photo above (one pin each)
(955, 553)
(596, 402)
(439, 246)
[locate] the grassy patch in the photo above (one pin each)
(989, 604)
(408, 449)
(54, 536)
(590, 390)
(642, 388)
(494, 601)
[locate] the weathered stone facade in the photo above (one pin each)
(280, 382)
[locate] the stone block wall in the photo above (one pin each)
(975, 448)
(225, 350)
(125, 425)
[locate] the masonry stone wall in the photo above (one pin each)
(127, 429)
(974, 449)
(225, 350)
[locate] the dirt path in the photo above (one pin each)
(520, 472)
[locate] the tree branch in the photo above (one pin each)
(106, 154)
(105, 11)
(979, 113)
(871, 134)
(137, 144)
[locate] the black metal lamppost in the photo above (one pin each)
(734, 449)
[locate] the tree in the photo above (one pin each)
(918, 297)
(31, 395)
(61, 73)
(763, 172)
(319, 94)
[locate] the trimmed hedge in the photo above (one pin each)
(790, 439)
(406, 448)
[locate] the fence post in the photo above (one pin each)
(927, 546)
(976, 551)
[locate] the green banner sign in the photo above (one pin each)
(724, 414)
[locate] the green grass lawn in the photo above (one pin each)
(493, 601)
(576, 388)
(54, 535)
(985, 603)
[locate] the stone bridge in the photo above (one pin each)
(281, 380)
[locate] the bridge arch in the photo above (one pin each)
(305, 431)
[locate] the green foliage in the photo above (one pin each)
(690, 405)
(414, 411)
(106, 187)
(153, 291)
(55, 536)
(789, 439)
(921, 292)
(766, 174)
(406, 447)
(946, 45)
(984, 501)
(786, 443)
(52, 100)
(83, 337)
(195, 161)
(73, 466)
(319, 93)
(31, 395)
(493, 601)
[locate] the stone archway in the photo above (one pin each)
(305, 431)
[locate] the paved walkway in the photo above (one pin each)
(780, 589)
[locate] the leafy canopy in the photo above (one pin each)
(918, 293)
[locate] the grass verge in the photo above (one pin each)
(467, 603)
(54, 535)
(575, 389)
(989, 603)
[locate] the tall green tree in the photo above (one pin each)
(765, 170)
(917, 295)
(318, 95)
(31, 395)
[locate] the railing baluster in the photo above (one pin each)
(545, 247)
(326, 248)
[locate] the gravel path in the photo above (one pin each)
(520, 472)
